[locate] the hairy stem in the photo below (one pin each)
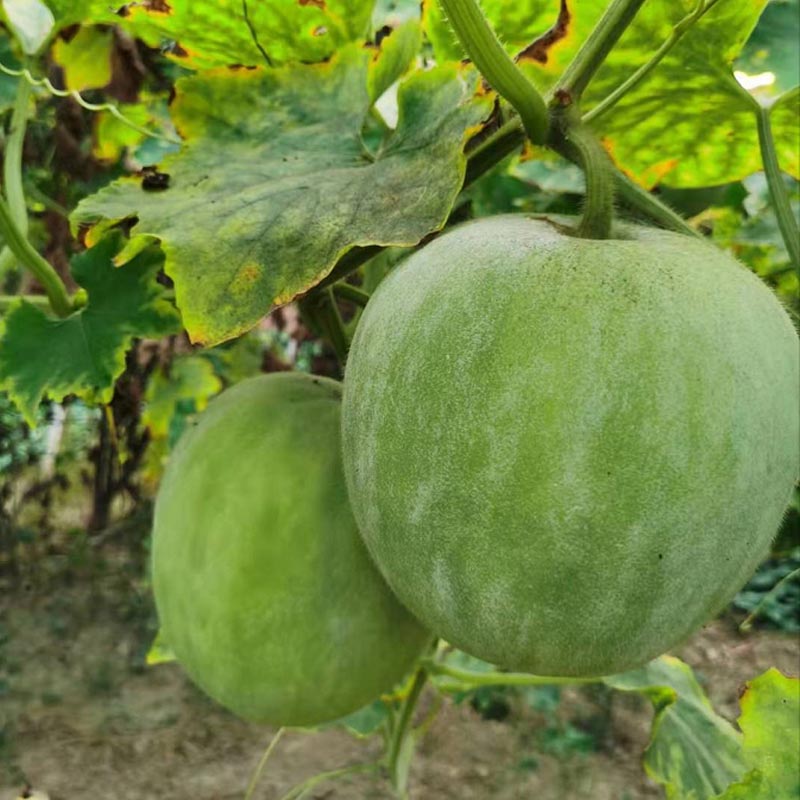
(580, 145)
(648, 204)
(28, 256)
(488, 55)
(597, 46)
(634, 80)
(787, 222)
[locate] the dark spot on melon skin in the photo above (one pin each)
(660, 556)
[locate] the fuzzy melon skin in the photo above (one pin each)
(264, 588)
(565, 455)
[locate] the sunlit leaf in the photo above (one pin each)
(207, 33)
(85, 59)
(688, 123)
(770, 722)
(274, 183)
(84, 353)
(694, 753)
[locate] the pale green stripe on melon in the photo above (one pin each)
(549, 439)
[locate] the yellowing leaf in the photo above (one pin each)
(85, 59)
(274, 182)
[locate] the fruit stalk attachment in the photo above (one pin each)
(574, 140)
(488, 55)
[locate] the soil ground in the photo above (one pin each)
(82, 717)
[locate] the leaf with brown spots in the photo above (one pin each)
(211, 33)
(539, 48)
(274, 183)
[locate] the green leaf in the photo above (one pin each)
(213, 33)
(274, 183)
(85, 59)
(694, 753)
(189, 378)
(30, 21)
(84, 353)
(397, 53)
(689, 123)
(785, 115)
(770, 722)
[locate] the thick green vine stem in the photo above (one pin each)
(27, 255)
(594, 50)
(790, 231)
(12, 159)
(488, 55)
(12, 168)
(579, 144)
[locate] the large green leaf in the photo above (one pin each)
(84, 353)
(770, 722)
(275, 184)
(693, 753)
(688, 123)
(216, 33)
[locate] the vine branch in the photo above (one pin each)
(27, 255)
(112, 109)
(597, 46)
(499, 69)
(702, 7)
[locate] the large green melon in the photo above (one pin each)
(565, 455)
(263, 586)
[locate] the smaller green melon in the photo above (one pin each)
(264, 589)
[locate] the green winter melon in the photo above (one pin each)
(264, 589)
(565, 455)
